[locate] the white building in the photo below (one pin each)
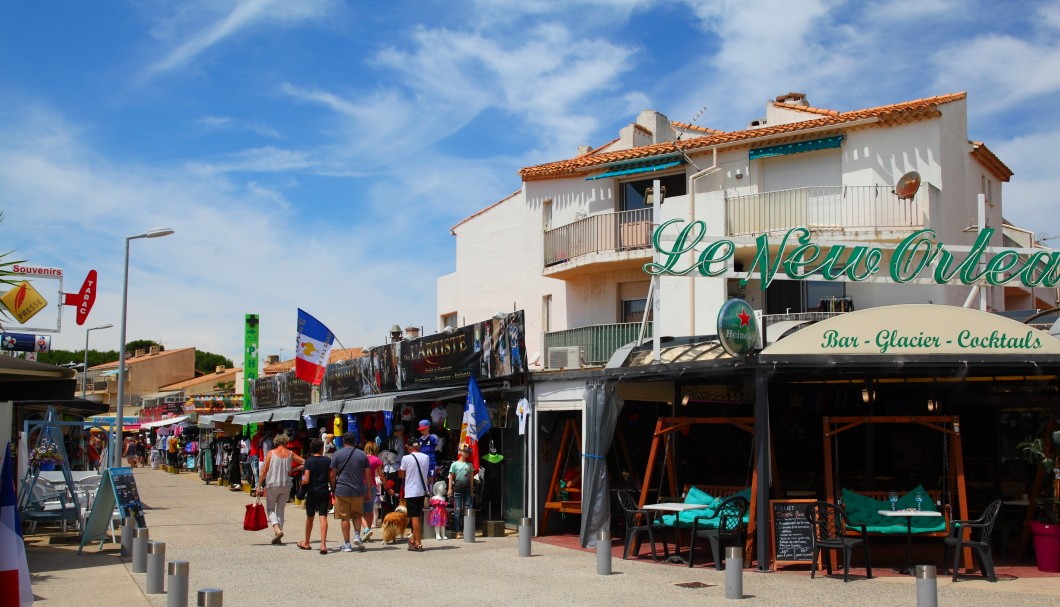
(569, 247)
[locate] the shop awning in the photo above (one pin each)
(286, 414)
(649, 166)
(165, 422)
(252, 417)
(796, 147)
(385, 402)
(324, 408)
(205, 421)
(367, 404)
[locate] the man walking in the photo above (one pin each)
(414, 471)
(349, 482)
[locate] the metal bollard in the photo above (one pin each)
(525, 530)
(469, 526)
(127, 527)
(210, 597)
(603, 553)
(139, 550)
(927, 586)
(156, 561)
(733, 572)
(177, 584)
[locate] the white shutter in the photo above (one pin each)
(820, 173)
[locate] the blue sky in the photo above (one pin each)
(315, 153)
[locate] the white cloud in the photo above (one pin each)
(227, 123)
(259, 160)
(1000, 71)
(1030, 199)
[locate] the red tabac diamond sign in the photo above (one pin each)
(83, 299)
(737, 327)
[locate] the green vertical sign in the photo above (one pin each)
(250, 360)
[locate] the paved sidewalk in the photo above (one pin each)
(203, 525)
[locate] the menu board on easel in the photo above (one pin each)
(792, 532)
(118, 491)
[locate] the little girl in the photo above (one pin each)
(439, 517)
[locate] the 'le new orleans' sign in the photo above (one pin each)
(800, 258)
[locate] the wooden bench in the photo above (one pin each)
(934, 495)
(570, 506)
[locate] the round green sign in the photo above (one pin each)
(737, 327)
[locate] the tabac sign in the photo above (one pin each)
(917, 258)
(916, 329)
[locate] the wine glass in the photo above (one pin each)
(893, 498)
(919, 497)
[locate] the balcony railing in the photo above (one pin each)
(598, 342)
(605, 232)
(842, 208)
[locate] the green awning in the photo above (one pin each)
(640, 167)
(799, 146)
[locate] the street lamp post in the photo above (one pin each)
(115, 446)
(84, 369)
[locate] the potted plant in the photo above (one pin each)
(1046, 529)
(45, 457)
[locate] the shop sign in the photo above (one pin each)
(489, 349)
(916, 329)
(737, 328)
(23, 301)
(250, 357)
(25, 342)
(799, 258)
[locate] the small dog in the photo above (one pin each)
(394, 524)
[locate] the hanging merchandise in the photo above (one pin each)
(438, 415)
(493, 457)
(407, 412)
(388, 421)
(310, 423)
(522, 410)
(337, 424)
(353, 428)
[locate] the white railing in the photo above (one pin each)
(604, 232)
(839, 209)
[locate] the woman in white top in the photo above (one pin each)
(275, 481)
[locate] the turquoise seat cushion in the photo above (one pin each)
(863, 510)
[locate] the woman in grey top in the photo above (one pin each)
(275, 482)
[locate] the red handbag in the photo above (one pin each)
(255, 518)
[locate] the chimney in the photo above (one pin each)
(273, 359)
(412, 332)
(794, 99)
(139, 353)
(153, 350)
(219, 369)
(584, 149)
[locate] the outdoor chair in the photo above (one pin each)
(979, 541)
(638, 522)
(49, 506)
(830, 525)
(731, 528)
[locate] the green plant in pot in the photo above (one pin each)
(1046, 530)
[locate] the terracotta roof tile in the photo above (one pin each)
(992, 163)
(699, 129)
(805, 108)
(132, 360)
(898, 113)
(202, 379)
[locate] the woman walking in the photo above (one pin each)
(275, 482)
(375, 472)
(317, 494)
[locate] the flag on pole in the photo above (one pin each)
(311, 354)
(15, 588)
(476, 421)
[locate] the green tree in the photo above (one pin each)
(142, 344)
(207, 362)
(62, 357)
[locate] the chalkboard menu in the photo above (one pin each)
(116, 490)
(128, 497)
(792, 532)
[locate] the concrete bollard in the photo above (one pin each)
(210, 597)
(927, 586)
(127, 526)
(603, 553)
(156, 564)
(139, 550)
(525, 530)
(177, 584)
(469, 526)
(733, 572)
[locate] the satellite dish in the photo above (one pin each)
(907, 185)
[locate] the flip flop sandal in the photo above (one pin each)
(323, 551)
(300, 546)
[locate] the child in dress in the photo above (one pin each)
(439, 517)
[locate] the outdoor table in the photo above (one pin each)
(676, 508)
(56, 476)
(909, 514)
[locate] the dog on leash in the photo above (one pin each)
(395, 523)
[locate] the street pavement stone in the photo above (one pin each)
(202, 524)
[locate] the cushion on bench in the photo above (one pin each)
(864, 510)
(710, 505)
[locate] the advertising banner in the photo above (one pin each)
(490, 349)
(25, 342)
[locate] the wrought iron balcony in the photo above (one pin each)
(598, 342)
(601, 233)
(846, 209)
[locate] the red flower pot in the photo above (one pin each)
(1046, 546)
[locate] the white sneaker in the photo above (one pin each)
(367, 534)
(358, 545)
(347, 547)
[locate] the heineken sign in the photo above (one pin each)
(916, 329)
(797, 257)
(737, 327)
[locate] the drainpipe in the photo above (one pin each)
(713, 168)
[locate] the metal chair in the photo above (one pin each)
(830, 525)
(639, 521)
(43, 505)
(731, 526)
(980, 541)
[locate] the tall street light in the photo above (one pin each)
(115, 446)
(84, 369)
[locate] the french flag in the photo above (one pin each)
(311, 354)
(476, 421)
(15, 589)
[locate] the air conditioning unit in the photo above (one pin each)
(565, 357)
